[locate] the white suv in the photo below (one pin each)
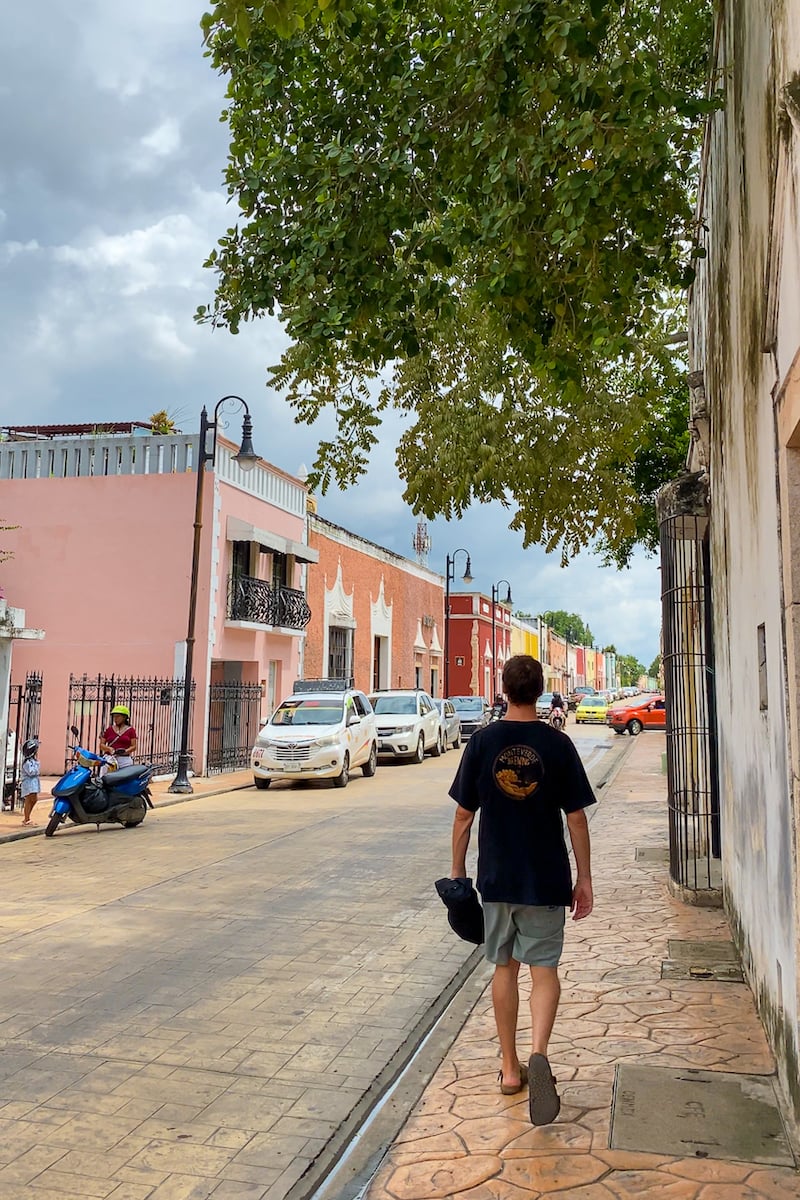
(321, 731)
(408, 724)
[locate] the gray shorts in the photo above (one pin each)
(532, 934)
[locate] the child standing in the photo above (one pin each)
(30, 772)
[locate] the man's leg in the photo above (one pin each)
(505, 998)
(545, 994)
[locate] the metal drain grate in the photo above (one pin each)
(698, 1114)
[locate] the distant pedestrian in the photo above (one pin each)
(30, 776)
(522, 774)
(120, 738)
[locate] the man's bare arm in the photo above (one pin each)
(582, 896)
(462, 824)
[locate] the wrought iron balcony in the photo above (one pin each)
(256, 601)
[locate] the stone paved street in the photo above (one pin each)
(465, 1140)
(193, 1007)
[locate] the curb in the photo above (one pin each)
(39, 832)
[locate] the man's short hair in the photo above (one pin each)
(523, 679)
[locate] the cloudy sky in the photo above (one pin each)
(111, 158)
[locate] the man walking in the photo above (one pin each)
(522, 774)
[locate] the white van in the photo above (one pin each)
(322, 731)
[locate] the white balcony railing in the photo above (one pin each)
(84, 457)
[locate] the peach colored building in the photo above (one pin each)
(378, 617)
(102, 561)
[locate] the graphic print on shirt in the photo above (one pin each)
(518, 771)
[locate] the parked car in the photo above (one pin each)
(592, 709)
(321, 731)
(451, 724)
(474, 712)
(544, 704)
(408, 724)
(649, 713)
(576, 695)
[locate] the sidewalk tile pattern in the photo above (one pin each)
(467, 1142)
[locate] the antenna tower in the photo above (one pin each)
(421, 543)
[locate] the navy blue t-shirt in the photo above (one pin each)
(522, 775)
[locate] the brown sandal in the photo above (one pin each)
(511, 1089)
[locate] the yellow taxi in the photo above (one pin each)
(593, 709)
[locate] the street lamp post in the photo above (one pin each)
(495, 597)
(450, 575)
(247, 459)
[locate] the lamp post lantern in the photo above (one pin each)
(247, 459)
(450, 575)
(495, 596)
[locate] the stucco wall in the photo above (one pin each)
(101, 564)
(387, 594)
(728, 321)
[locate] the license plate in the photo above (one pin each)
(291, 766)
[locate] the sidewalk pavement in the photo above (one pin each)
(202, 785)
(464, 1139)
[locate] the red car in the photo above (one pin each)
(649, 713)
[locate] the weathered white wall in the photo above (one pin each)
(759, 49)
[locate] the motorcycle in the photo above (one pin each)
(558, 718)
(120, 797)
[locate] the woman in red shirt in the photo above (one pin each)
(120, 737)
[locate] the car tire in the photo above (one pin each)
(619, 731)
(437, 747)
(419, 753)
(261, 784)
(457, 742)
(635, 727)
(371, 765)
(343, 778)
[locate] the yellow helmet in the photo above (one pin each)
(121, 708)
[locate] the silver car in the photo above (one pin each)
(451, 724)
(474, 713)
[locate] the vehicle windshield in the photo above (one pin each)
(545, 697)
(396, 706)
(468, 704)
(593, 702)
(309, 712)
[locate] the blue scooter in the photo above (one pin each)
(119, 798)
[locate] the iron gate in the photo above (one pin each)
(156, 706)
(692, 773)
(24, 719)
(234, 714)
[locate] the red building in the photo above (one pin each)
(472, 672)
(378, 617)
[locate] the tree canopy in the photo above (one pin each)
(629, 670)
(477, 215)
(569, 626)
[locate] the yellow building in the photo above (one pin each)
(524, 637)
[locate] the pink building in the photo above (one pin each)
(102, 561)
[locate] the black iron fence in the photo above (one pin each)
(692, 774)
(156, 706)
(234, 714)
(256, 600)
(24, 719)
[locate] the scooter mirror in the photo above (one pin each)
(74, 730)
